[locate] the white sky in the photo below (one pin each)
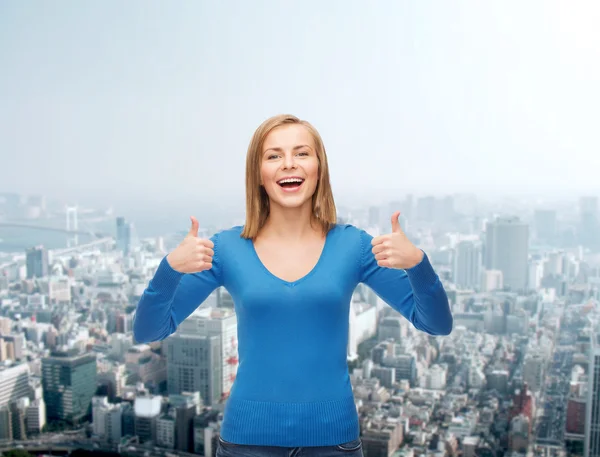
(149, 99)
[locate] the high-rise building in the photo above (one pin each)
(14, 383)
(147, 411)
(37, 262)
(36, 416)
(576, 407)
(363, 325)
(6, 432)
(507, 250)
(534, 370)
(591, 444)
(468, 264)
(123, 235)
(589, 228)
(193, 365)
(222, 323)
(186, 407)
(491, 280)
(69, 382)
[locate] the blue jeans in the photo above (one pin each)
(349, 449)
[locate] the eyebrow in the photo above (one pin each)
(295, 148)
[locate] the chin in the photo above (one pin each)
(291, 203)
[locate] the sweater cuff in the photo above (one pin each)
(422, 276)
(166, 279)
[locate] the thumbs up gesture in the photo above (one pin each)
(395, 250)
(193, 254)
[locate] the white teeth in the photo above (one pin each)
(290, 180)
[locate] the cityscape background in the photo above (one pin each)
(478, 121)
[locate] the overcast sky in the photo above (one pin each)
(154, 99)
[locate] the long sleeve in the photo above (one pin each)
(416, 293)
(172, 296)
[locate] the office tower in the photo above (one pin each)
(591, 445)
(37, 262)
(36, 416)
(391, 328)
(165, 431)
(17, 343)
(186, 407)
(589, 226)
(444, 211)
(507, 246)
(14, 383)
(222, 323)
(5, 423)
(536, 273)
(18, 415)
(545, 225)
(362, 325)
(123, 235)
(576, 407)
(467, 264)
(205, 431)
(147, 411)
(491, 280)
(69, 382)
(193, 365)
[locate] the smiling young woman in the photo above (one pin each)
(275, 144)
(291, 271)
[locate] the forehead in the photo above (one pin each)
(288, 136)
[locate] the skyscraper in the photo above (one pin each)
(589, 226)
(193, 365)
(507, 250)
(123, 235)
(69, 383)
(222, 323)
(37, 262)
(591, 444)
(14, 383)
(467, 264)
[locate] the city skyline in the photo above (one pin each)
(523, 295)
(476, 120)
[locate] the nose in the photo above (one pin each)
(288, 161)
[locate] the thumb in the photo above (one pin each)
(194, 229)
(396, 223)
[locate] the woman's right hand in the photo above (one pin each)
(194, 254)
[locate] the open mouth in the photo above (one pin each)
(290, 184)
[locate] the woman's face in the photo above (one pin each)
(289, 168)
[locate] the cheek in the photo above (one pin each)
(313, 170)
(265, 175)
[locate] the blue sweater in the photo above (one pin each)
(292, 387)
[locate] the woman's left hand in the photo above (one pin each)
(395, 250)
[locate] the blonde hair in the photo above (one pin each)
(257, 200)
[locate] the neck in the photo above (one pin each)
(290, 223)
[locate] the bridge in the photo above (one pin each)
(72, 229)
(106, 241)
(52, 229)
